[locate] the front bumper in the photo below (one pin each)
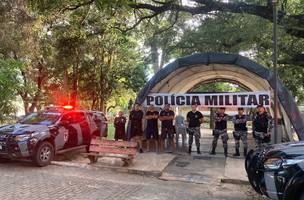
(271, 183)
(9, 148)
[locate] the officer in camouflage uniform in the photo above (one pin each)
(220, 129)
(262, 125)
(240, 131)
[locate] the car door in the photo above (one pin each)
(69, 130)
(76, 129)
(62, 133)
(85, 129)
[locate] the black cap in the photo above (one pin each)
(240, 108)
(222, 108)
(260, 106)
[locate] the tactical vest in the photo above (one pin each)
(240, 126)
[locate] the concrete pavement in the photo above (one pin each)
(180, 166)
(23, 181)
(183, 177)
(180, 176)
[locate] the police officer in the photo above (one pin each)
(180, 130)
(240, 131)
(166, 117)
(262, 125)
(194, 119)
(120, 124)
(220, 130)
(136, 117)
(152, 126)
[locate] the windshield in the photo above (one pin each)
(41, 118)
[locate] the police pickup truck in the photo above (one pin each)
(39, 136)
(277, 171)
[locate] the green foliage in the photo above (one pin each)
(95, 59)
(217, 87)
(54, 51)
(245, 34)
(9, 84)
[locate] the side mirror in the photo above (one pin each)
(20, 118)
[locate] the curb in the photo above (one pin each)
(234, 181)
(187, 178)
(114, 169)
(70, 164)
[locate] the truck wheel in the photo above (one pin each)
(44, 154)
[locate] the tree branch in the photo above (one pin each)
(75, 7)
(137, 23)
(206, 6)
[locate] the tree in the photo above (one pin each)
(9, 84)
(92, 58)
(290, 17)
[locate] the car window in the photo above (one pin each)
(78, 117)
(98, 116)
(67, 117)
(42, 118)
(74, 117)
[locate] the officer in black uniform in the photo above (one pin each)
(194, 119)
(240, 131)
(166, 117)
(220, 129)
(262, 125)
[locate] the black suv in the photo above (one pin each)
(277, 171)
(40, 135)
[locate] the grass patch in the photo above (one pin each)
(111, 131)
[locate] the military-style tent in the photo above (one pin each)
(185, 73)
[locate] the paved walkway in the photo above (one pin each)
(205, 167)
(23, 181)
(179, 166)
(187, 177)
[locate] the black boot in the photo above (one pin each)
(190, 149)
(245, 152)
(225, 152)
(237, 152)
(213, 151)
(198, 150)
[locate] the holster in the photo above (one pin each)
(216, 132)
(236, 135)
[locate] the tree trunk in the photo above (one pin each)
(75, 80)
(40, 79)
(154, 56)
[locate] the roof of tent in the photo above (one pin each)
(186, 72)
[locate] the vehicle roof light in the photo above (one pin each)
(68, 107)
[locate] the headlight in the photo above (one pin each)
(273, 163)
(24, 137)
